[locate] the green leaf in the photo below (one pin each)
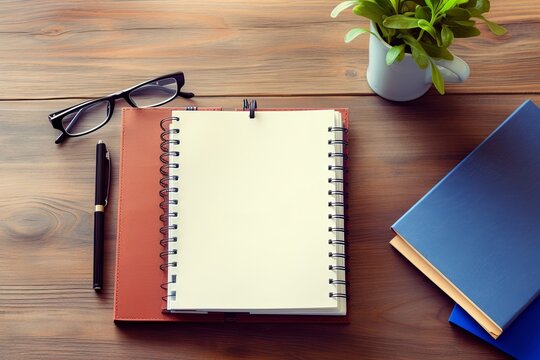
(421, 13)
(407, 6)
(353, 33)
(429, 4)
(459, 13)
(388, 6)
(342, 6)
(418, 53)
(493, 27)
(409, 40)
(466, 23)
(478, 7)
(370, 10)
(470, 4)
(401, 56)
(437, 5)
(447, 36)
(437, 52)
(394, 53)
(421, 59)
(426, 26)
(483, 5)
(465, 32)
(437, 78)
(394, 3)
(400, 22)
(449, 4)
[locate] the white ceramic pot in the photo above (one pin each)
(404, 80)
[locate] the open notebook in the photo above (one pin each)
(252, 216)
(256, 212)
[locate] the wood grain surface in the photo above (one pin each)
(286, 54)
(228, 48)
(398, 151)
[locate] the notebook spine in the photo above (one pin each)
(337, 168)
(168, 189)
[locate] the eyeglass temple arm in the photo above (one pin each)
(186, 95)
(60, 138)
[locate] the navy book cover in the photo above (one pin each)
(521, 340)
(479, 226)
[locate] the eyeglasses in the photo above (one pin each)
(90, 115)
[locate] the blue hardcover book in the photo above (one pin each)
(476, 233)
(521, 340)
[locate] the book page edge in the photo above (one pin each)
(410, 253)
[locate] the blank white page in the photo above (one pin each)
(253, 211)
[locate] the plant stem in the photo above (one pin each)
(434, 15)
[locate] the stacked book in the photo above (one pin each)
(475, 235)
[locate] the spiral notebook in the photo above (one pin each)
(251, 216)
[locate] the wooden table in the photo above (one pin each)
(290, 54)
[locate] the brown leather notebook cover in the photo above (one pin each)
(138, 295)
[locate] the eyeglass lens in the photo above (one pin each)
(94, 115)
(154, 93)
(86, 118)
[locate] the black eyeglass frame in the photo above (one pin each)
(56, 118)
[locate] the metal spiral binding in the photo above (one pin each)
(337, 242)
(164, 192)
(336, 180)
(164, 205)
(338, 142)
(165, 241)
(336, 167)
(165, 254)
(338, 156)
(169, 264)
(165, 229)
(164, 181)
(338, 128)
(338, 295)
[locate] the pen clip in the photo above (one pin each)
(108, 157)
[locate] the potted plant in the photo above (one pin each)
(409, 42)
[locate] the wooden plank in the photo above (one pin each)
(398, 151)
(86, 49)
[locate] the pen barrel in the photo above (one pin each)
(99, 233)
(101, 173)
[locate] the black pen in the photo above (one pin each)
(103, 166)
